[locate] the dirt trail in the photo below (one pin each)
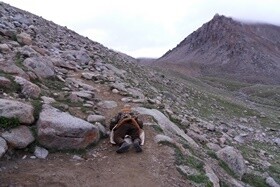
(99, 165)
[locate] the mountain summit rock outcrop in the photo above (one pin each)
(225, 47)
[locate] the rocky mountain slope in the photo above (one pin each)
(59, 90)
(224, 47)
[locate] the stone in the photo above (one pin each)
(60, 130)
(271, 182)
(47, 100)
(41, 152)
(233, 158)
(107, 104)
(96, 118)
(15, 109)
(3, 146)
(4, 82)
(166, 125)
(29, 89)
(213, 146)
(24, 38)
(19, 137)
(163, 138)
(28, 51)
(276, 141)
(211, 175)
(41, 66)
(102, 130)
(4, 48)
(83, 94)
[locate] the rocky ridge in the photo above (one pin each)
(52, 79)
(224, 47)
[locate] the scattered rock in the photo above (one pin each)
(61, 130)
(107, 104)
(211, 175)
(15, 109)
(3, 146)
(213, 146)
(4, 82)
(96, 118)
(163, 138)
(19, 137)
(271, 182)
(233, 158)
(4, 48)
(24, 38)
(29, 89)
(41, 152)
(166, 125)
(41, 66)
(47, 100)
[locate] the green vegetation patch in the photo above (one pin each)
(230, 85)
(254, 180)
(37, 105)
(8, 123)
(226, 168)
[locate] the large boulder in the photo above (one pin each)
(19, 137)
(233, 158)
(41, 66)
(3, 147)
(61, 130)
(166, 125)
(15, 109)
(28, 88)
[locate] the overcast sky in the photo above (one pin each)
(145, 28)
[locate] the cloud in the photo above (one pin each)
(145, 28)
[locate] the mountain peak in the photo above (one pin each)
(225, 46)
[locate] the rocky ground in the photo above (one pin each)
(59, 90)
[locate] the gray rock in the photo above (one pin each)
(90, 76)
(277, 141)
(61, 130)
(166, 125)
(136, 93)
(4, 82)
(271, 182)
(29, 89)
(4, 48)
(24, 38)
(83, 94)
(19, 137)
(107, 104)
(28, 51)
(3, 146)
(119, 86)
(233, 158)
(102, 130)
(211, 175)
(187, 170)
(41, 152)
(47, 100)
(41, 66)
(163, 138)
(15, 109)
(115, 70)
(213, 146)
(96, 118)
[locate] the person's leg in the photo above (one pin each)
(136, 140)
(119, 135)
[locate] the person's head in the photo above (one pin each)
(127, 109)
